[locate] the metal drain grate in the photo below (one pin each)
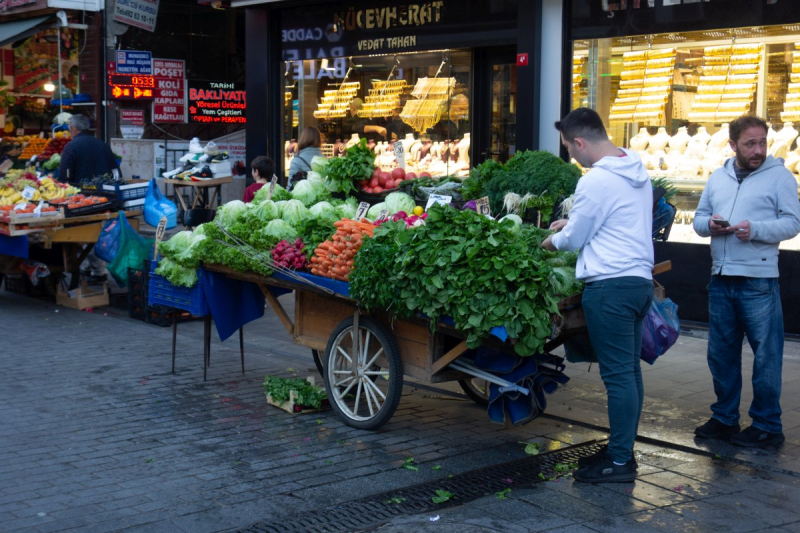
(380, 508)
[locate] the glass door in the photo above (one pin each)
(496, 85)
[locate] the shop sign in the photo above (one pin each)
(169, 93)
(129, 87)
(7, 5)
(139, 13)
(131, 123)
(217, 102)
(134, 62)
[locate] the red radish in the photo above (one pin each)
(374, 182)
(376, 172)
(411, 176)
(368, 189)
(424, 175)
(398, 174)
(376, 190)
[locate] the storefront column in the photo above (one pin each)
(550, 100)
(529, 76)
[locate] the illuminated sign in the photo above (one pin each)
(131, 87)
(215, 102)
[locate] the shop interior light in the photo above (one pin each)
(49, 87)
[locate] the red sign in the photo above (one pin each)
(169, 102)
(131, 86)
(131, 117)
(111, 66)
(522, 60)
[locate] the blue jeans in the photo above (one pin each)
(739, 306)
(615, 309)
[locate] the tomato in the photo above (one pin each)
(398, 174)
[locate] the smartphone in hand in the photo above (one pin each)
(721, 222)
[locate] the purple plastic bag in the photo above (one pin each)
(660, 329)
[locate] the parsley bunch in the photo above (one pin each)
(357, 164)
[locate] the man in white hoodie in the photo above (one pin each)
(610, 223)
(748, 207)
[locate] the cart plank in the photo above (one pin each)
(449, 357)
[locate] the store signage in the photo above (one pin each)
(131, 123)
(134, 62)
(128, 87)
(7, 5)
(217, 102)
(621, 5)
(169, 93)
(522, 60)
(139, 13)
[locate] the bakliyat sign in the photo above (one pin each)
(217, 102)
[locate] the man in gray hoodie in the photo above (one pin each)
(610, 223)
(748, 207)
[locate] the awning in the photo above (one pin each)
(19, 29)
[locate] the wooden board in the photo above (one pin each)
(316, 317)
(84, 298)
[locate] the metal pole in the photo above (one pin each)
(60, 93)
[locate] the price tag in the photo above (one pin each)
(482, 206)
(383, 215)
(19, 207)
(162, 227)
(28, 192)
(399, 153)
(37, 212)
(438, 199)
(361, 212)
(272, 184)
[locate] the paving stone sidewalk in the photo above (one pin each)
(99, 436)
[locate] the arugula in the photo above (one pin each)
(465, 266)
(307, 395)
(357, 164)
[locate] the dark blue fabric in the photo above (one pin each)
(341, 288)
(14, 246)
(85, 157)
(233, 303)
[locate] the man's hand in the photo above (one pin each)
(547, 244)
(558, 224)
(716, 229)
(742, 230)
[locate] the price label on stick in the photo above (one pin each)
(399, 154)
(37, 212)
(361, 212)
(28, 192)
(440, 199)
(383, 215)
(272, 184)
(482, 206)
(162, 227)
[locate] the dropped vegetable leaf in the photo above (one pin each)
(442, 496)
(150, 460)
(396, 499)
(437, 467)
(503, 494)
(319, 421)
(532, 448)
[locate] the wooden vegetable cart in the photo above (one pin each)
(364, 372)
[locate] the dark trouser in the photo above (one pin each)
(615, 309)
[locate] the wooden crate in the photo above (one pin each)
(83, 297)
(291, 405)
(16, 224)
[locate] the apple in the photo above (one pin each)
(411, 176)
(373, 182)
(383, 178)
(398, 174)
(424, 175)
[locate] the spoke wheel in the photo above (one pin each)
(477, 389)
(363, 386)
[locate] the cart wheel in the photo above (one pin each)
(364, 389)
(477, 389)
(318, 361)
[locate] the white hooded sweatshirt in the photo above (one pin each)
(611, 221)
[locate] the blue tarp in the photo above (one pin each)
(14, 246)
(233, 303)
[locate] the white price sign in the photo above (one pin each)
(28, 192)
(438, 199)
(399, 154)
(361, 212)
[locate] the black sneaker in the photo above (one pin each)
(754, 437)
(606, 472)
(597, 457)
(204, 174)
(220, 157)
(714, 429)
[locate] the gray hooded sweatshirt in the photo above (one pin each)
(767, 198)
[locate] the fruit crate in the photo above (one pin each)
(14, 224)
(111, 205)
(162, 292)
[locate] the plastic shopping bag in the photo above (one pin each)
(132, 250)
(108, 243)
(156, 207)
(660, 329)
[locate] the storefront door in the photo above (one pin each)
(496, 99)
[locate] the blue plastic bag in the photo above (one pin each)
(660, 329)
(108, 241)
(156, 207)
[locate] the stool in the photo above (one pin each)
(206, 343)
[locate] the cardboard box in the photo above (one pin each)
(83, 297)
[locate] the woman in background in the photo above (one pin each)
(308, 147)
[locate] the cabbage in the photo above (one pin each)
(400, 201)
(229, 213)
(324, 211)
(280, 229)
(375, 210)
(305, 191)
(294, 212)
(315, 177)
(279, 193)
(178, 242)
(319, 164)
(346, 210)
(176, 274)
(266, 211)
(512, 219)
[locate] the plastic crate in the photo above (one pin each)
(162, 292)
(127, 190)
(160, 315)
(111, 205)
(16, 284)
(136, 281)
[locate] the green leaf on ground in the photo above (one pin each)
(442, 496)
(503, 494)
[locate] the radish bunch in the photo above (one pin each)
(290, 255)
